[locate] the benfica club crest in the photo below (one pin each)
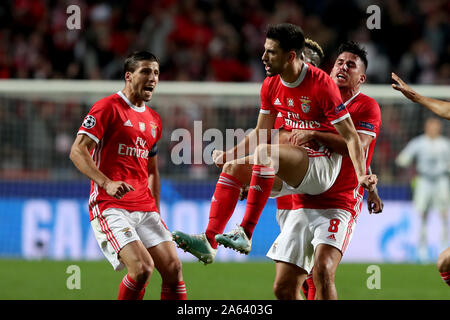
(305, 104)
(154, 127)
(142, 126)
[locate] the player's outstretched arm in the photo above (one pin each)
(81, 158)
(347, 130)
(439, 107)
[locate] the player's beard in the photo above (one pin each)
(146, 97)
(143, 93)
(272, 72)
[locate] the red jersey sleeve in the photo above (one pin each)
(156, 127)
(94, 124)
(160, 128)
(368, 119)
(266, 100)
(330, 100)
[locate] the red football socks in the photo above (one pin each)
(446, 277)
(311, 287)
(260, 187)
(223, 203)
(176, 292)
(129, 289)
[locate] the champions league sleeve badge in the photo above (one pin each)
(89, 122)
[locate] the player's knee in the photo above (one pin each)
(141, 271)
(443, 262)
(230, 168)
(175, 267)
(283, 291)
(171, 272)
(324, 270)
(280, 291)
(262, 155)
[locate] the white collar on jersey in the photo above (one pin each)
(299, 79)
(349, 100)
(132, 106)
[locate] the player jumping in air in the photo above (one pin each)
(116, 148)
(318, 228)
(307, 98)
(360, 115)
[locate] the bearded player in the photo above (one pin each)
(305, 170)
(307, 238)
(116, 148)
(286, 203)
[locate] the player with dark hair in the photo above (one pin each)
(297, 241)
(116, 148)
(286, 203)
(307, 98)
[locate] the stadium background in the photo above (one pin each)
(211, 72)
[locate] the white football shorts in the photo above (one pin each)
(114, 228)
(430, 193)
(322, 172)
(302, 230)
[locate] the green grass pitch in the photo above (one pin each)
(21, 279)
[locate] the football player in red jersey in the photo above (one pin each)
(313, 55)
(307, 98)
(319, 227)
(116, 148)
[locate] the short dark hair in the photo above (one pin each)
(133, 59)
(355, 48)
(288, 35)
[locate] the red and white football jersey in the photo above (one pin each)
(125, 135)
(346, 193)
(313, 102)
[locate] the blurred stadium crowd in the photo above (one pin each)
(200, 40)
(213, 40)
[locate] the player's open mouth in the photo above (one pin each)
(148, 89)
(340, 76)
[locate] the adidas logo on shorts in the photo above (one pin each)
(332, 237)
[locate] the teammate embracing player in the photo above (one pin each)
(116, 148)
(307, 98)
(313, 55)
(307, 237)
